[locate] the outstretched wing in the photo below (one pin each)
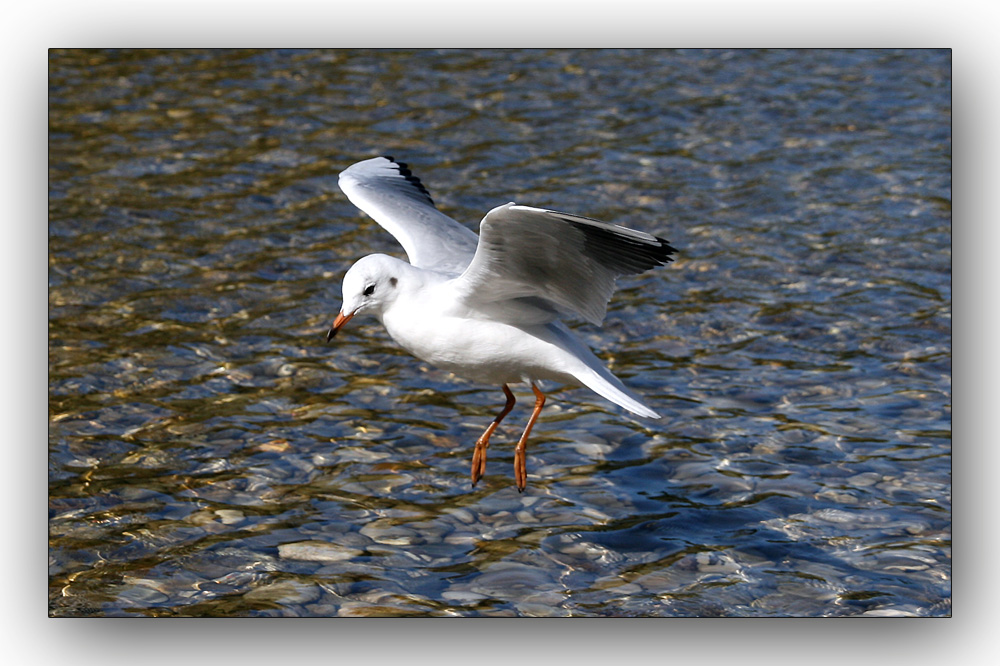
(396, 199)
(566, 262)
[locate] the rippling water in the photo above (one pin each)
(210, 455)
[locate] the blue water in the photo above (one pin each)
(210, 455)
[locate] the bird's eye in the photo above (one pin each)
(369, 290)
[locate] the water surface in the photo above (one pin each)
(210, 455)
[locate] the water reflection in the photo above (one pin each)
(209, 455)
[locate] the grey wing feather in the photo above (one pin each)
(392, 196)
(568, 262)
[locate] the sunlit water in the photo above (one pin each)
(210, 455)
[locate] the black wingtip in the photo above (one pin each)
(618, 249)
(404, 171)
(666, 250)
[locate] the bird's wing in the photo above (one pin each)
(565, 262)
(396, 199)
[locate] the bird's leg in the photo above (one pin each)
(520, 466)
(479, 456)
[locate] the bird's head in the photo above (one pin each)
(370, 285)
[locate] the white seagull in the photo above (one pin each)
(487, 307)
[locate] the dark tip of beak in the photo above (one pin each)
(339, 321)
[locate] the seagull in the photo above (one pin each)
(487, 307)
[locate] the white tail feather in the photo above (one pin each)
(590, 371)
(616, 394)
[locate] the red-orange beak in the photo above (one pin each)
(337, 323)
